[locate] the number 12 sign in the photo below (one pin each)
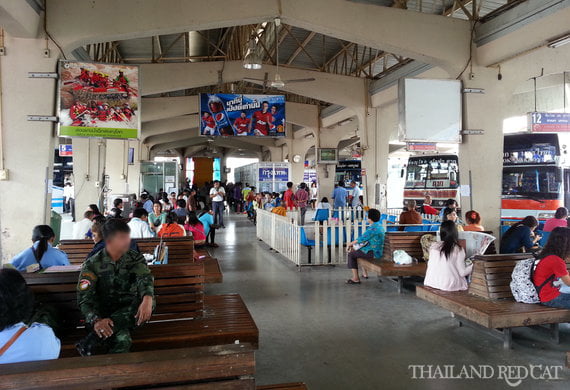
(549, 122)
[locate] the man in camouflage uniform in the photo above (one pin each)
(115, 292)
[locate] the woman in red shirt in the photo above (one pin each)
(552, 266)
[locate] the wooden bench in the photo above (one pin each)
(411, 244)
(284, 386)
(180, 251)
(489, 304)
(183, 317)
(224, 367)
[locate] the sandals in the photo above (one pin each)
(350, 281)
(365, 277)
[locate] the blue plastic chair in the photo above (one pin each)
(504, 229)
(414, 229)
(544, 238)
(392, 228)
(307, 243)
(392, 218)
(433, 228)
(321, 215)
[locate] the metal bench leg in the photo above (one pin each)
(555, 333)
(310, 249)
(400, 284)
(507, 338)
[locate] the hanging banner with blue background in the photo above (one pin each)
(242, 115)
(549, 122)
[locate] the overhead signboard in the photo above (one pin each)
(231, 115)
(65, 150)
(549, 122)
(421, 147)
(430, 110)
(274, 174)
(99, 100)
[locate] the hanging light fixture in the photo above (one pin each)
(251, 60)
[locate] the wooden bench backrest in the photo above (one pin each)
(180, 250)
(179, 291)
(406, 241)
(491, 275)
(218, 367)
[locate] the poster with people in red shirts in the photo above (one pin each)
(242, 115)
(99, 100)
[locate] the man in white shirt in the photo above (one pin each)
(139, 224)
(81, 228)
(356, 192)
(217, 194)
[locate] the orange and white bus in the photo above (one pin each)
(434, 175)
(535, 175)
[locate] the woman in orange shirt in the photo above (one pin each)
(171, 228)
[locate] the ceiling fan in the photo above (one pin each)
(277, 82)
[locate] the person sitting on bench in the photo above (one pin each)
(368, 246)
(446, 269)
(20, 341)
(521, 237)
(41, 254)
(196, 228)
(552, 266)
(97, 230)
(115, 292)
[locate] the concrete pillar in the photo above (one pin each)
(375, 154)
(134, 169)
(88, 170)
(116, 160)
(27, 147)
(481, 156)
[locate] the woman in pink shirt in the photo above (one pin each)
(559, 220)
(194, 226)
(446, 268)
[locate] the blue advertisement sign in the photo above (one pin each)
(242, 115)
(549, 122)
(274, 174)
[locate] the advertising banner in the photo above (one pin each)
(242, 115)
(99, 100)
(549, 122)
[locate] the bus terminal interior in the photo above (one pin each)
(464, 100)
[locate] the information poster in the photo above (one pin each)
(242, 115)
(99, 100)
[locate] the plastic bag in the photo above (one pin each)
(401, 257)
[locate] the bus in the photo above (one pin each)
(536, 175)
(434, 175)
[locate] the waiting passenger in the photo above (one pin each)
(473, 219)
(20, 341)
(324, 204)
(117, 210)
(194, 226)
(427, 207)
(368, 246)
(139, 224)
(446, 269)
(81, 228)
(180, 209)
(410, 216)
(157, 217)
(520, 236)
(559, 220)
(171, 228)
(449, 204)
(450, 214)
(114, 293)
(552, 266)
(41, 253)
(95, 209)
(207, 219)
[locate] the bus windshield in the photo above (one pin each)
(432, 172)
(532, 182)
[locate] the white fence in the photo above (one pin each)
(316, 243)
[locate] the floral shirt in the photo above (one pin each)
(374, 239)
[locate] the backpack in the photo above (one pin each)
(522, 286)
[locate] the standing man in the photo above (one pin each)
(217, 194)
(289, 197)
(67, 196)
(114, 293)
(301, 200)
(339, 195)
(355, 197)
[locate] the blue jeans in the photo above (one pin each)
(218, 208)
(562, 301)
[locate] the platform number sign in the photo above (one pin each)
(549, 122)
